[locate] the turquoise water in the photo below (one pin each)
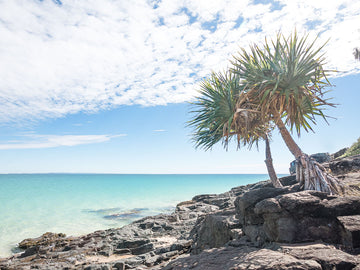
(75, 204)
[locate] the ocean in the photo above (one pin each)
(76, 204)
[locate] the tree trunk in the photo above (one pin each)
(289, 141)
(310, 174)
(269, 165)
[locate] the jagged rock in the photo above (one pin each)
(245, 203)
(345, 165)
(213, 231)
(240, 259)
(339, 153)
(45, 239)
(321, 157)
(304, 216)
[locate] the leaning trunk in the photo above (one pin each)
(269, 164)
(310, 174)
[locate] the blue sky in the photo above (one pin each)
(104, 86)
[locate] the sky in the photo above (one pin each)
(104, 86)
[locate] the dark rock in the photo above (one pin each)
(181, 245)
(245, 204)
(240, 259)
(119, 266)
(288, 180)
(142, 249)
(98, 267)
(106, 250)
(351, 232)
(302, 216)
(222, 201)
(212, 231)
(328, 256)
(121, 251)
(321, 157)
(132, 243)
(339, 153)
(46, 239)
(256, 234)
(30, 251)
(341, 206)
(345, 165)
(133, 262)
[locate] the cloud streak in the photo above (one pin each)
(59, 58)
(51, 141)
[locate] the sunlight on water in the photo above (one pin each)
(76, 204)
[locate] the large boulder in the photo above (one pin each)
(308, 216)
(245, 203)
(214, 230)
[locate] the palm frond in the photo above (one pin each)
(218, 115)
(285, 76)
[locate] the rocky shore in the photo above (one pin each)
(255, 226)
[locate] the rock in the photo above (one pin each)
(223, 201)
(321, 157)
(245, 203)
(302, 216)
(119, 266)
(45, 239)
(256, 234)
(241, 258)
(339, 153)
(132, 243)
(351, 232)
(98, 267)
(288, 180)
(212, 231)
(326, 255)
(106, 250)
(142, 249)
(345, 165)
(30, 251)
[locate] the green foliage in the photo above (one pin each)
(219, 117)
(285, 77)
(353, 150)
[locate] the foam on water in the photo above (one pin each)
(76, 204)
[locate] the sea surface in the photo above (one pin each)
(75, 204)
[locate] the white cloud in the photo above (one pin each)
(91, 55)
(159, 130)
(49, 141)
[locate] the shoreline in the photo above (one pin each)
(255, 224)
(79, 202)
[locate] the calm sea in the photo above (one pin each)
(75, 204)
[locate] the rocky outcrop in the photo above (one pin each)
(255, 226)
(345, 165)
(241, 258)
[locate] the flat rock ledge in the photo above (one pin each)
(255, 226)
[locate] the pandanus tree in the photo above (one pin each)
(219, 116)
(286, 79)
